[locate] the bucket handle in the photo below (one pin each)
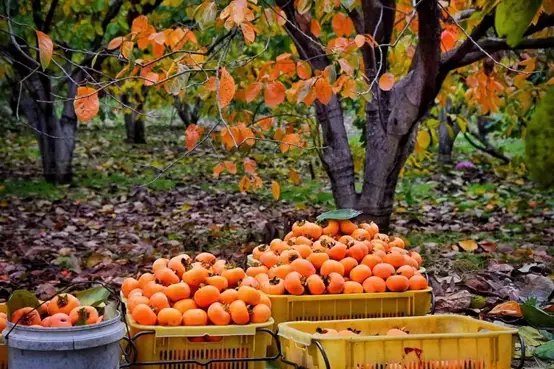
(321, 350)
(522, 356)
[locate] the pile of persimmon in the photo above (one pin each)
(195, 292)
(64, 310)
(340, 257)
(330, 332)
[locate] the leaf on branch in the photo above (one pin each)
(291, 138)
(218, 169)
(246, 136)
(127, 49)
(192, 135)
(250, 166)
(230, 166)
(248, 32)
(45, 49)
(205, 14)
(386, 81)
(244, 184)
(274, 93)
(342, 25)
(448, 41)
(151, 78)
(512, 17)
(86, 103)
(359, 40)
(323, 91)
(275, 190)
(266, 123)
(294, 177)
(303, 6)
(253, 91)
(346, 67)
(115, 43)
(303, 69)
(315, 28)
(258, 183)
(226, 88)
(140, 24)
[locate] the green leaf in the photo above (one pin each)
(340, 214)
(93, 296)
(462, 123)
(110, 311)
(535, 316)
(20, 299)
(546, 334)
(348, 4)
(531, 336)
(545, 351)
(513, 17)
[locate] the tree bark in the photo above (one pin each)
(134, 126)
(189, 113)
(446, 141)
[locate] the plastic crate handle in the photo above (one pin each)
(321, 350)
(522, 356)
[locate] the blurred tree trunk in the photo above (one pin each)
(134, 123)
(189, 113)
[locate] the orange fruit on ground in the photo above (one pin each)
(184, 305)
(166, 276)
(406, 270)
(374, 284)
(133, 301)
(128, 285)
(346, 239)
(315, 284)
(151, 288)
(228, 296)
(249, 295)
(179, 264)
(395, 259)
(159, 263)
(371, 260)
(332, 228)
(253, 271)
(205, 258)
(233, 276)
(218, 315)
(260, 314)
(207, 295)
(303, 266)
(145, 279)
(159, 301)
(399, 250)
(60, 320)
(337, 251)
(293, 284)
(144, 315)
(396, 332)
(274, 286)
(347, 227)
(170, 316)
(383, 270)
(177, 291)
(195, 317)
(250, 281)
(331, 266)
(360, 273)
(239, 312)
(218, 282)
(352, 287)
(398, 283)
(349, 264)
(26, 316)
(418, 282)
(86, 314)
(62, 303)
(195, 277)
(317, 259)
(335, 283)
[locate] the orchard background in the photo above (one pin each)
(134, 129)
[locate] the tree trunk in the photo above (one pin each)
(447, 136)
(189, 113)
(134, 125)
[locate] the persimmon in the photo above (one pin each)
(332, 228)
(417, 258)
(43, 307)
(298, 228)
(178, 264)
(100, 319)
(259, 250)
(418, 282)
(185, 304)
(275, 286)
(195, 317)
(331, 266)
(218, 281)
(397, 242)
(249, 281)
(318, 246)
(166, 276)
(382, 237)
(360, 273)
(357, 251)
(218, 267)
(4, 323)
(317, 258)
(205, 296)
(301, 240)
(325, 332)
(406, 270)
(383, 270)
(352, 287)
(159, 301)
(312, 230)
(135, 292)
(374, 284)
(395, 259)
(44, 323)
(195, 276)
(265, 300)
(361, 234)
(303, 267)
(253, 271)
(337, 251)
(261, 278)
(346, 239)
(60, 320)
(399, 250)
(408, 260)
(372, 228)
(196, 339)
(26, 316)
(170, 317)
(397, 283)
(280, 271)
(143, 314)
(260, 314)
(288, 236)
(348, 332)
(158, 264)
(228, 296)
(205, 258)
(152, 288)
(347, 226)
(86, 314)
(239, 312)
(147, 278)
(177, 291)
(249, 295)
(136, 300)
(128, 285)
(315, 284)
(335, 283)
(278, 246)
(208, 338)
(349, 263)
(218, 315)
(371, 260)
(303, 250)
(62, 303)
(293, 283)
(379, 245)
(396, 332)
(233, 276)
(288, 256)
(269, 259)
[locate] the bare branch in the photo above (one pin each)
(49, 16)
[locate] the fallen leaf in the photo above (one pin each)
(509, 308)
(488, 246)
(275, 190)
(468, 245)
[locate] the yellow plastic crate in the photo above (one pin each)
(3, 348)
(434, 342)
(155, 343)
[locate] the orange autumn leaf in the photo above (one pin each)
(266, 123)
(229, 137)
(342, 25)
(468, 245)
(275, 190)
(258, 183)
(151, 78)
(323, 91)
(127, 49)
(246, 136)
(218, 169)
(192, 135)
(230, 166)
(386, 81)
(291, 138)
(508, 308)
(274, 93)
(115, 43)
(346, 67)
(226, 88)
(45, 48)
(248, 32)
(140, 24)
(244, 184)
(359, 40)
(448, 41)
(250, 166)
(315, 28)
(86, 103)
(303, 69)
(253, 91)
(294, 177)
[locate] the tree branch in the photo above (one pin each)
(112, 12)
(36, 8)
(50, 16)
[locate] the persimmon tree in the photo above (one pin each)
(389, 57)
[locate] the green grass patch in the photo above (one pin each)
(38, 189)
